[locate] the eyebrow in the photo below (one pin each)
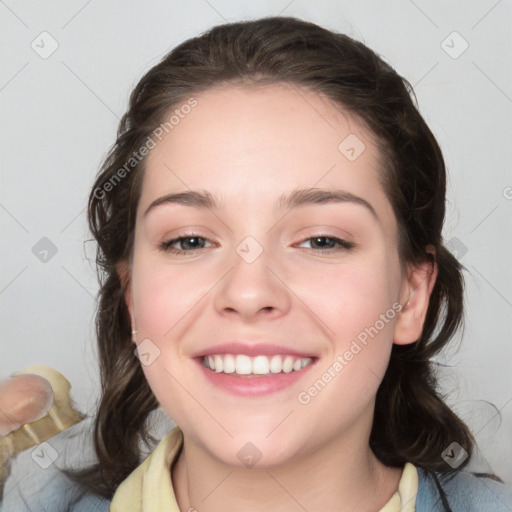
(203, 199)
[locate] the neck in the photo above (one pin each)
(342, 475)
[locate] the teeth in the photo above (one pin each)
(229, 364)
(259, 365)
(276, 364)
(243, 365)
(288, 364)
(219, 364)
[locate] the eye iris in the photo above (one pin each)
(185, 242)
(322, 238)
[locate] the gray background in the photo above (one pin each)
(59, 115)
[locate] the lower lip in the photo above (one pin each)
(253, 385)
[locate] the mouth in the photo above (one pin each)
(260, 365)
(255, 375)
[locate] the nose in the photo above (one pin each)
(253, 288)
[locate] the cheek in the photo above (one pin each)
(360, 310)
(163, 295)
(358, 305)
(162, 299)
(351, 298)
(167, 300)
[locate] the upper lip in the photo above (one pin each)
(250, 349)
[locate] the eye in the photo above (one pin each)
(189, 243)
(334, 244)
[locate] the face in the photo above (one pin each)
(266, 321)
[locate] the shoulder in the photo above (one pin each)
(91, 503)
(36, 482)
(465, 492)
(54, 490)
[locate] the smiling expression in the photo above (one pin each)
(261, 253)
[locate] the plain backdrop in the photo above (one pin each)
(67, 68)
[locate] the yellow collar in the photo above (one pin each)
(149, 487)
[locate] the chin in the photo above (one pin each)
(253, 451)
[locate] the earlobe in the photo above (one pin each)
(415, 297)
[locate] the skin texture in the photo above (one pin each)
(247, 146)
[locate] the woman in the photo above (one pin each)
(273, 275)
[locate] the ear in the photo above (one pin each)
(415, 297)
(123, 271)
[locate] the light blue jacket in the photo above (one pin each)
(465, 493)
(31, 488)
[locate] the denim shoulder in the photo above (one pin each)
(90, 503)
(49, 490)
(463, 491)
(35, 484)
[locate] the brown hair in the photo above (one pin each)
(412, 423)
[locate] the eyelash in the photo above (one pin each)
(344, 245)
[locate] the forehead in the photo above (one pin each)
(254, 143)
